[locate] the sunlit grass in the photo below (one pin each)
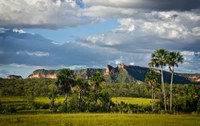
(88, 119)
(47, 100)
(129, 100)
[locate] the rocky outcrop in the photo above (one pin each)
(14, 77)
(40, 75)
(108, 69)
(192, 77)
(120, 74)
(121, 66)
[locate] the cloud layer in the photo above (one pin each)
(50, 14)
(148, 4)
(142, 27)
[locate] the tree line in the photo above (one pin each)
(94, 94)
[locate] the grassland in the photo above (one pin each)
(129, 100)
(89, 119)
(22, 100)
(42, 118)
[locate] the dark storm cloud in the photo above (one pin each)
(149, 4)
(174, 4)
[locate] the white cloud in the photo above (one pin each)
(108, 12)
(2, 30)
(40, 14)
(36, 53)
(187, 53)
(57, 43)
(19, 31)
(170, 29)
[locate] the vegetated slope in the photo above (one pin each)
(120, 74)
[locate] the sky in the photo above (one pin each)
(77, 34)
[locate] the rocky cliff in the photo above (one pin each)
(120, 74)
(192, 77)
(42, 73)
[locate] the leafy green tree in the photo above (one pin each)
(81, 87)
(158, 59)
(65, 82)
(53, 94)
(97, 78)
(173, 58)
(152, 80)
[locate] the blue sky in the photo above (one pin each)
(68, 34)
(76, 34)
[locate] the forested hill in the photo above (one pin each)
(120, 74)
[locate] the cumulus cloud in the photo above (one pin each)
(36, 53)
(49, 14)
(172, 30)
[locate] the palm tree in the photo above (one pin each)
(65, 81)
(173, 58)
(81, 87)
(158, 59)
(96, 78)
(152, 79)
(53, 94)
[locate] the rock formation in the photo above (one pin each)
(40, 75)
(120, 74)
(121, 66)
(14, 77)
(108, 69)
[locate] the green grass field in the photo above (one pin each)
(22, 100)
(129, 100)
(83, 119)
(46, 118)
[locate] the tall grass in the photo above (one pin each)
(99, 120)
(128, 100)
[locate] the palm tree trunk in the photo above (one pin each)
(66, 97)
(163, 89)
(152, 96)
(171, 89)
(79, 100)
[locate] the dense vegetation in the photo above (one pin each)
(94, 95)
(186, 97)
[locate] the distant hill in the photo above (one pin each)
(120, 74)
(14, 77)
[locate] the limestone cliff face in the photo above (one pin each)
(120, 74)
(40, 75)
(121, 66)
(108, 69)
(192, 77)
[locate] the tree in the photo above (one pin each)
(81, 87)
(158, 59)
(96, 78)
(152, 80)
(65, 81)
(173, 58)
(53, 94)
